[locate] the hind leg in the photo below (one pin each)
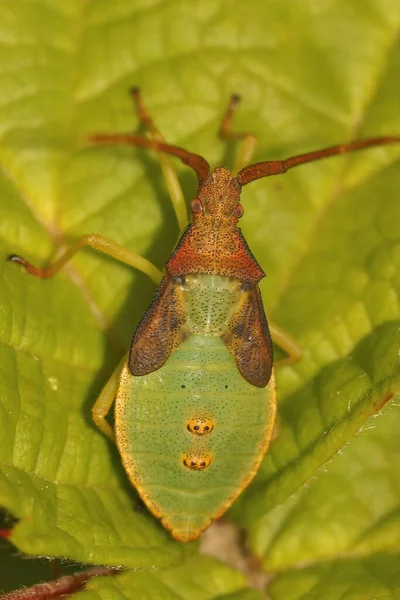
(102, 406)
(282, 339)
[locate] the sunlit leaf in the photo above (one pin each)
(327, 235)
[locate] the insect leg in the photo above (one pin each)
(103, 403)
(100, 243)
(249, 140)
(282, 339)
(170, 176)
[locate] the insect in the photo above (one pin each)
(195, 398)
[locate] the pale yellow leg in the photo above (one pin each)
(100, 243)
(282, 339)
(102, 406)
(170, 176)
(248, 140)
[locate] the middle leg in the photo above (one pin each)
(100, 243)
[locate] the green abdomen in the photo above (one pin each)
(192, 434)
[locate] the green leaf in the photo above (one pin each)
(322, 416)
(353, 579)
(16, 572)
(200, 578)
(352, 508)
(327, 234)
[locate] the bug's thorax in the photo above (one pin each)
(213, 243)
(209, 302)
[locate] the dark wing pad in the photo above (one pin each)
(248, 339)
(161, 329)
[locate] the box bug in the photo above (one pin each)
(195, 398)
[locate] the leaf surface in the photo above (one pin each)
(327, 235)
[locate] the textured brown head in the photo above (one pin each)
(213, 243)
(217, 205)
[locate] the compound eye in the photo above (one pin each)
(200, 425)
(238, 212)
(196, 206)
(197, 462)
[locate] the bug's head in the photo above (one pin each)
(217, 204)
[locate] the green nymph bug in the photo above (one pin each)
(195, 398)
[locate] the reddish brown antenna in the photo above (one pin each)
(275, 167)
(199, 165)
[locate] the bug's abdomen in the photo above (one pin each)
(192, 434)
